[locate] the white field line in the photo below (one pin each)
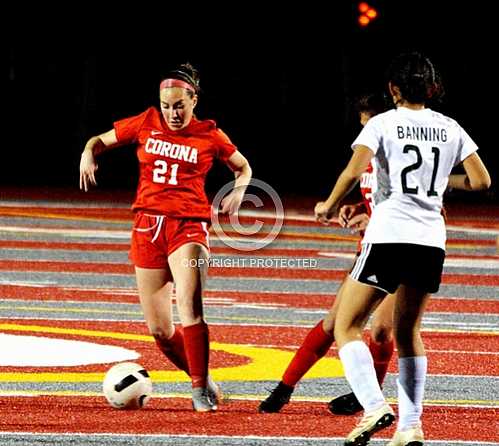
(223, 438)
(90, 233)
(476, 404)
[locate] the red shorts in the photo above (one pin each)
(155, 237)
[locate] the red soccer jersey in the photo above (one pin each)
(173, 164)
(366, 185)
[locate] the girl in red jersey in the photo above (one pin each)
(320, 338)
(170, 233)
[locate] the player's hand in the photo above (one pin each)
(346, 213)
(232, 202)
(323, 214)
(88, 167)
(358, 223)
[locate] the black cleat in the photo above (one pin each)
(277, 399)
(345, 405)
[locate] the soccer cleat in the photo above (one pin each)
(347, 404)
(201, 401)
(277, 399)
(369, 424)
(214, 391)
(410, 437)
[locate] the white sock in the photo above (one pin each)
(410, 386)
(359, 370)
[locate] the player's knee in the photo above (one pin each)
(382, 333)
(328, 325)
(160, 334)
(344, 334)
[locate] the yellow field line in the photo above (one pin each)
(69, 310)
(450, 330)
(293, 322)
(15, 213)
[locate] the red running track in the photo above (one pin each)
(297, 300)
(214, 271)
(175, 416)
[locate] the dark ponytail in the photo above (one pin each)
(415, 76)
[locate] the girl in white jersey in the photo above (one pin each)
(413, 150)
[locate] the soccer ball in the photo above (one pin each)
(127, 386)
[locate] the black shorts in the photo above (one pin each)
(388, 265)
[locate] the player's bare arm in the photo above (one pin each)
(476, 177)
(347, 180)
(94, 146)
(242, 172)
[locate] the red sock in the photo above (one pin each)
(197, 349)
(173, 349)
(382, 353)
(314, 347)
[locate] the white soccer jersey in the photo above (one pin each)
(415, 151)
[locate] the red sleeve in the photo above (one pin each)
(225, 147)
(127, 130)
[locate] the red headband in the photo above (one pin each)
(176, 83)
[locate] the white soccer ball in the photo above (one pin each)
(127, 386)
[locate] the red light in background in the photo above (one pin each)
(367, 14)
(364, 20)
(363, 7)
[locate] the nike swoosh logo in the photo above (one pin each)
(155, 132)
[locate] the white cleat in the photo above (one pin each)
(369, 424)
(201, 401)
(214, 391)
(410, 437)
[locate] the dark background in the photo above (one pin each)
(279, 82)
